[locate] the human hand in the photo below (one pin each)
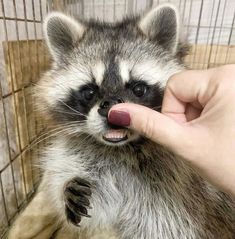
(197, 122)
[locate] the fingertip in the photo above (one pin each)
(119, 117)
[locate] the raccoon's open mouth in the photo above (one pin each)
(115, 135)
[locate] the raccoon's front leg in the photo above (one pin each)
(77, 195)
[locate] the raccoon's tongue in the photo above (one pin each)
(115, 135)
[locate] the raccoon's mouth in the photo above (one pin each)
(115, 135)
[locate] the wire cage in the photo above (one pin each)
(23, 58)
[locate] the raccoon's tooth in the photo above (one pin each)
(120, 135)
(115, 134)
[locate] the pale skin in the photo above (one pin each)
(197, 122)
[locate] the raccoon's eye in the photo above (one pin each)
(139, 89)
(88, 94)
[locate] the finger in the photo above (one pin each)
(182, 88)
(152, 124)
(192, 112)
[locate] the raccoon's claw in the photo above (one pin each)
(77, 193)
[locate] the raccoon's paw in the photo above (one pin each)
(77, 194)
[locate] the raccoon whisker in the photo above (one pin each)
(85, 139)
(61, 127)
(48, 133)
(40, 139)
(76, 112)
(57, 128)
(76, 131)
(79, 113)
(51, 126)
(33, 144)
(65, 112)
(74, 122)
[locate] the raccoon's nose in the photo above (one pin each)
(106, 104)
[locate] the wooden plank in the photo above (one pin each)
(24, 61)
(58, 5)
(207, 56)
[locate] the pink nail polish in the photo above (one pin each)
(120, 118)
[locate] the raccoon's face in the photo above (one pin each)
(98, 65)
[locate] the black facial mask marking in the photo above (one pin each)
(77, 106)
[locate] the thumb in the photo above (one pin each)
(154, 125)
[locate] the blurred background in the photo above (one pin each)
(209, 25)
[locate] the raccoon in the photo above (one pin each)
(97, 175)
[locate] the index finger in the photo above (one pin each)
(183, 88)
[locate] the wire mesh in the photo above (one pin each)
(21, 64)
(23, 57)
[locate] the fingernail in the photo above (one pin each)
(120, 118)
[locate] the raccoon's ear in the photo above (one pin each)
(62, 34)
(161, 24)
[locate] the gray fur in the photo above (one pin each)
(140, 189)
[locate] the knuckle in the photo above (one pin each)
(170, 83)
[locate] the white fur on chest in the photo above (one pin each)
(121, 197)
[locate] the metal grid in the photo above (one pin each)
(210, 24)
(21, 64)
